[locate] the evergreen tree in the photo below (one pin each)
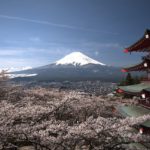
(136, 80)
(129, 80)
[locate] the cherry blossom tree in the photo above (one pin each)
(52, 120)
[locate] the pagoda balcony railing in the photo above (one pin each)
(145, 103)
(145, 79)
(146, 57)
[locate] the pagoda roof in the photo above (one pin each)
(135, 111)
(138, 67)
(147, 90)
(134, 89)
(142, 45)
(143, 66)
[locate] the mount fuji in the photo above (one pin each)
(73, 67)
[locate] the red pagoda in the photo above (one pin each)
(142, 90)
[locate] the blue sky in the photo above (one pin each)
(39, 32)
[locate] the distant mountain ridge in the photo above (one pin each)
(73, 67)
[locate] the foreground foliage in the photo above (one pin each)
(54, 120)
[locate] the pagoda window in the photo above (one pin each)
(141, 130)
(143, 96)
(146, 36)
(145, 64)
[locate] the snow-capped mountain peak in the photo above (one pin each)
(77, 59)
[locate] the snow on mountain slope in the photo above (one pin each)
(13, 69)
(77, 59)
(21, 75)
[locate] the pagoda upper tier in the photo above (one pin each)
(143, 66)
(143, 45)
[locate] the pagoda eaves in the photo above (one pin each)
(143, 45)
(143, 66)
